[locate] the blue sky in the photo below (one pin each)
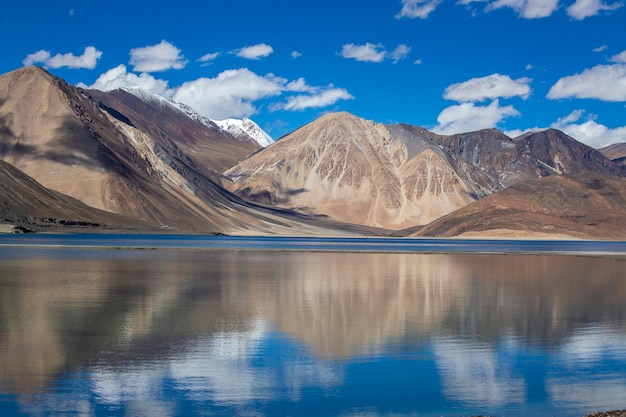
(446, 65)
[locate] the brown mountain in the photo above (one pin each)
(399, 176)
(561, 154)
(616, 153)
(583, 204)
(28, 205)
(63, 139)
(357, 171)
(206, 147)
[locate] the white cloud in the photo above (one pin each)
(586, 8)
(621, 58)
(209, 57)
(603, 82)
(601, 48)
(468, 117)
(230, 94)
(589, 131)
(321, 98)
(400, 53)
(295, 54)
(155, 58)
(489, 87)
(365, 53)
(258, 51)
(374, 52)
(88, 59)
(119, 77)
(299, 85)
(418, 61)
(528, 9)
(417, 8)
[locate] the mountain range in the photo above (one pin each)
(133, 161)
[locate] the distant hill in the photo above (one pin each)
(583, 204)
(616, 153)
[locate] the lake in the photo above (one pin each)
(184, 325)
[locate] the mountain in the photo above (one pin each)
(616, 153)
(207, 147)
(559, 153)
(398, 176)
(151, 163)
(245, 128)
(583, 204)
(138, 165)
(353, 170)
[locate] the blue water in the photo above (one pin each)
(89, 326)
(340, 244)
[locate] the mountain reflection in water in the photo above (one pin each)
(284, 332)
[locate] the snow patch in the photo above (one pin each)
(240, 128)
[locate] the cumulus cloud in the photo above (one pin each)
(374, 52)
(601, 48)
(417, 8)
(87, 60)
(586, 8)
(230, 94)
(161, 57)
(603, 82)
(119, 77)
(589, 131)
(621, 57)
(584, 129)
(319, 98)
(258, 51)
(365, 53)
(528, 9)
(489, 87)
(468, 117)
(295, 54)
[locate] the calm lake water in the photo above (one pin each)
(89, 326)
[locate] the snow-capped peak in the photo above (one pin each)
(245, 127)
(240, 129)
(148, 97)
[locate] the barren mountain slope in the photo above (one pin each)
(616, 153)
(208, 148)
(583, 204)
(352, 170)
(558, 153)
(26, 203)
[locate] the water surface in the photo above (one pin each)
(100, 331)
